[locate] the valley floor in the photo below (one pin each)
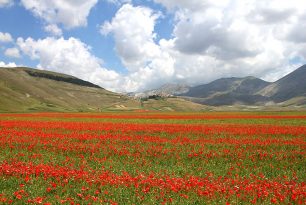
(153, 158)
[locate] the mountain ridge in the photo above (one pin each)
(25, 89)
(57, 77)
(247, 90)
(166, 90)
(289, 86)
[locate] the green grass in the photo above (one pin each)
(33, 160)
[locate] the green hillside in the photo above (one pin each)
(31, 90)
(25, 89)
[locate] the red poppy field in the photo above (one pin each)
(153, 158)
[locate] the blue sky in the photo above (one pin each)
(134, 45)
(19, 22)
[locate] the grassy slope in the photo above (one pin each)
(21, 92)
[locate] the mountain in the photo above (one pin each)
(166, 90)
(31, 90)
(228, 91)
(25, 89)
(243, 86)
(289, 90)
(291, 86)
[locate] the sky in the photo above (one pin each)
(134, 45)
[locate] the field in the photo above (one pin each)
(153, 158)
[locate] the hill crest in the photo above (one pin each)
(28, 90)
(291, 89)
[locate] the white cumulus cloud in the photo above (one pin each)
(119, 2)
(69, 56)
(53, 29)
(133, 29)
(12, 52)
(211, 39)
(221, 38)
(69, 13)
(5, 37)
(7, 65)
(146, 61)
(6, 3)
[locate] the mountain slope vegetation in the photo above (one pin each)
(31, 90)
(25, 89)
(289, 90)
